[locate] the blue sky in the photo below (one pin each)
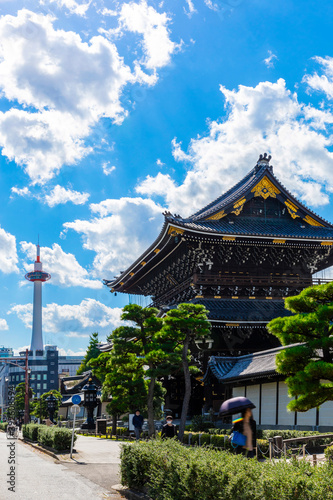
(112, 112)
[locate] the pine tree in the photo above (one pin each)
(183, 326)
(308, 365)
(92, 353)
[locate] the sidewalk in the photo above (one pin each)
(96, 459)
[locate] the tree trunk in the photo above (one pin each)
(114, 424)
(187, 394)
(150, 405)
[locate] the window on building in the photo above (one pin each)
(45, 376)
(22, 377)
(38, 386)
(17, 378)
(39, 376)
(52, 381)
(32, 376)
(52, 363)
(44, 386)
(52, 372)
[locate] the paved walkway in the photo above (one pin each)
(96, 459)
(36, 476)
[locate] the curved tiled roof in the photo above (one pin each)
(256, 365)
(287, 228)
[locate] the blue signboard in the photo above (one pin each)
(76, 399)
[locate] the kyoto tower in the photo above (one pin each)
(37, 276)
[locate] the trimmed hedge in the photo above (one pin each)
(3, 426)
(30, 431)
(122, 431)
(166, 470)
(57, 438)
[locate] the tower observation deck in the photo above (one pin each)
(37, 276)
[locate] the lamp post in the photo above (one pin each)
(51, 406)
(90, 402)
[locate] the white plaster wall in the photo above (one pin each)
(238, 391)
(268, 404)
(326, 413)
(307, 417)
(285, 417)
(253, 394)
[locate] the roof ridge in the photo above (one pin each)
(224, 195)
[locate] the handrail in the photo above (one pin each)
(308, 438)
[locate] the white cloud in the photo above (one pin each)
(269, 61)
(191, 9)
(61, 195)
(159, 162)
(8, 253)
(70, 85)
(269, 118)
(21, 191)
(322, 83)
(74, 7)
(3, 324)
(77, 320)
(153, 26)
(70, 352)
(120, 231)
(63, 267)
(108, 12)
(107, 170)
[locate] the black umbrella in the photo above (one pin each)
(235, 405)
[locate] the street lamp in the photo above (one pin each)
(51, 405)
(90, 402)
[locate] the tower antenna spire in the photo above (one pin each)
(38, 277)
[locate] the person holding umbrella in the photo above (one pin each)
(246, 425)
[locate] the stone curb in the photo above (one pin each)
(130, 494)
(40, 448)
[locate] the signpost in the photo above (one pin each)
(76, 399)
(75, 409)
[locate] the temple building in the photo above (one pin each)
(239, 256)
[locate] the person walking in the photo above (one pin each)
(169, 430)
(246, 425)
(137, 422)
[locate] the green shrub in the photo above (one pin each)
(54, 437)
(166, 470)
(199, 424)
(45, 435)
(329, 454)
(62, 439)
(3, 426)
(205, 439)
(263, 448)
(122, 431)
(30, 431)
(217, 441)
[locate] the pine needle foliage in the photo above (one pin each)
(308, 364)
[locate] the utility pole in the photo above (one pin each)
(26, 397)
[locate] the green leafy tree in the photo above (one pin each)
(123, 380)
(309, 364)
(19, 400)
(145, 342)
(92, 353)
(183, 326)
(39, 406)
